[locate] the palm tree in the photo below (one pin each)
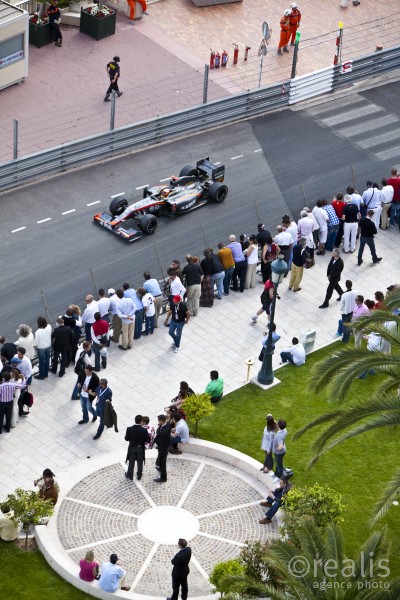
(381, 409)
(319, 569)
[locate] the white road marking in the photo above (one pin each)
(115, 196)
(97, 202)
(141, 187)
(217, 163)
(43, 220)
(259, 150)
(19, 229)
(166, 179)
(67, 212)
(235, 157)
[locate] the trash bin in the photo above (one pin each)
(307, 338)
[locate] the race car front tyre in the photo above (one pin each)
(148, 224)
(217, 192)
(188, 171)
(117, 206)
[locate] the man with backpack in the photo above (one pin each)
(82, 359)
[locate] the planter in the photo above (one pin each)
(40, 35)
(97, 28)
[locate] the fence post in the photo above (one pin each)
(354, 177)
(304, 194)
(205, 237)
(15, 144)
(94, 281)
(159, 261)
(339, 41)
(45, 306)
(295, 54)
(112, 113)
(205, 83)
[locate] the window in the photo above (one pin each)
(11, 50)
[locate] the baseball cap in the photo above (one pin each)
(176, 298)
(111, 291)
(15, 361)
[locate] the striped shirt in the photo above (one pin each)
(7, 389)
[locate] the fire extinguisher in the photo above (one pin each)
(217, 62)
(246, 53)
(212, 59)
(224, 58)
(235, 54)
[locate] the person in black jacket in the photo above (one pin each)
(137, 436)
(180, 570)
(88, 382)
(62, 338)
(163, 441)
(334, 272)
(8, 349)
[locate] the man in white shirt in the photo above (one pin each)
(88, 315)
(347, 304)
(285, 242)
(126, 311)
(180, 434)
(373, 201)
(103, 304)
(322, 220)
(117, 323)
(387, 193)
(25, 366)
(152, 286)
(355, 197)
(295, 355)
(149, 310)
(176, 286)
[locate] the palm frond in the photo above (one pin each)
(390, 493)
(392, 300)
(375, 549)
(334, 543)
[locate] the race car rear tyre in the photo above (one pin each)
(148, 224)
(188, 171)
(118, 205)
(217, 192)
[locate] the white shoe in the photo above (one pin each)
(176, 350)
(254, 318)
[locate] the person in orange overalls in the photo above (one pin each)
(132, 6)
(295, 18)
(285, 32)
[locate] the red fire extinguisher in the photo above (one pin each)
(246, 53)
(212, 59)
(217, 61)
(224, 58)
(235, 54)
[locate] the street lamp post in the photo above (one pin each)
(266, 375)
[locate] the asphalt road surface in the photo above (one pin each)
(52, 254)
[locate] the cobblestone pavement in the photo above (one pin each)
(212, 505)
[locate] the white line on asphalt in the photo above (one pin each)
(235, 157)
(115, 196)
(217, 163)
(91, 203)
(67, 212)
(259, 150)
(166, 179)
(44, 220)
(19, 229)
(141, 187)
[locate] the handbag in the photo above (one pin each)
(310, 262)
(261, 357)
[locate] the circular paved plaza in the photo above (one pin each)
(213, 504)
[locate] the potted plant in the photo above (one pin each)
(28, 509)
(98, 21)
(40, 33)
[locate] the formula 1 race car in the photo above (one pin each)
(194, 187)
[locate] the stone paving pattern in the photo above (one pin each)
(162, 65)
(82, 526)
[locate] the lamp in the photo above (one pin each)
(266, 375)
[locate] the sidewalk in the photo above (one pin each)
(162, 65)
(145, 379)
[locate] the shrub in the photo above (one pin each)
(198, 406)
(221, 572)
(28, 508)
(319, 503)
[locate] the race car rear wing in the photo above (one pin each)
(210, 170)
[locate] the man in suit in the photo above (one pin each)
(137, 436)
(62, 339)
(180, 570)
(88, 382)
(163, 441)
(334, 272)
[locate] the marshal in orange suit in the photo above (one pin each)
(295, 18)
(285, 32)
(132, 6)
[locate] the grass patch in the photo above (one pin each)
(357, 469)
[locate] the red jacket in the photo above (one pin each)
(285, 23)
(295, 17)
(100, 328)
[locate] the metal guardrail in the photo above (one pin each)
(139, 135)
(196, 119)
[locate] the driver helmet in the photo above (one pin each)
(293, 5)
(287, 12)
(165, 193)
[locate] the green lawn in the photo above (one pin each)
(357, 470)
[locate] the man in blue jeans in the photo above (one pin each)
(275, 500)
(279, 448)
(177, 316)
(103, 394)
(88, 382)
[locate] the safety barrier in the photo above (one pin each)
(196, 119)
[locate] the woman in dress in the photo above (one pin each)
(207, 287)
(251, 253)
